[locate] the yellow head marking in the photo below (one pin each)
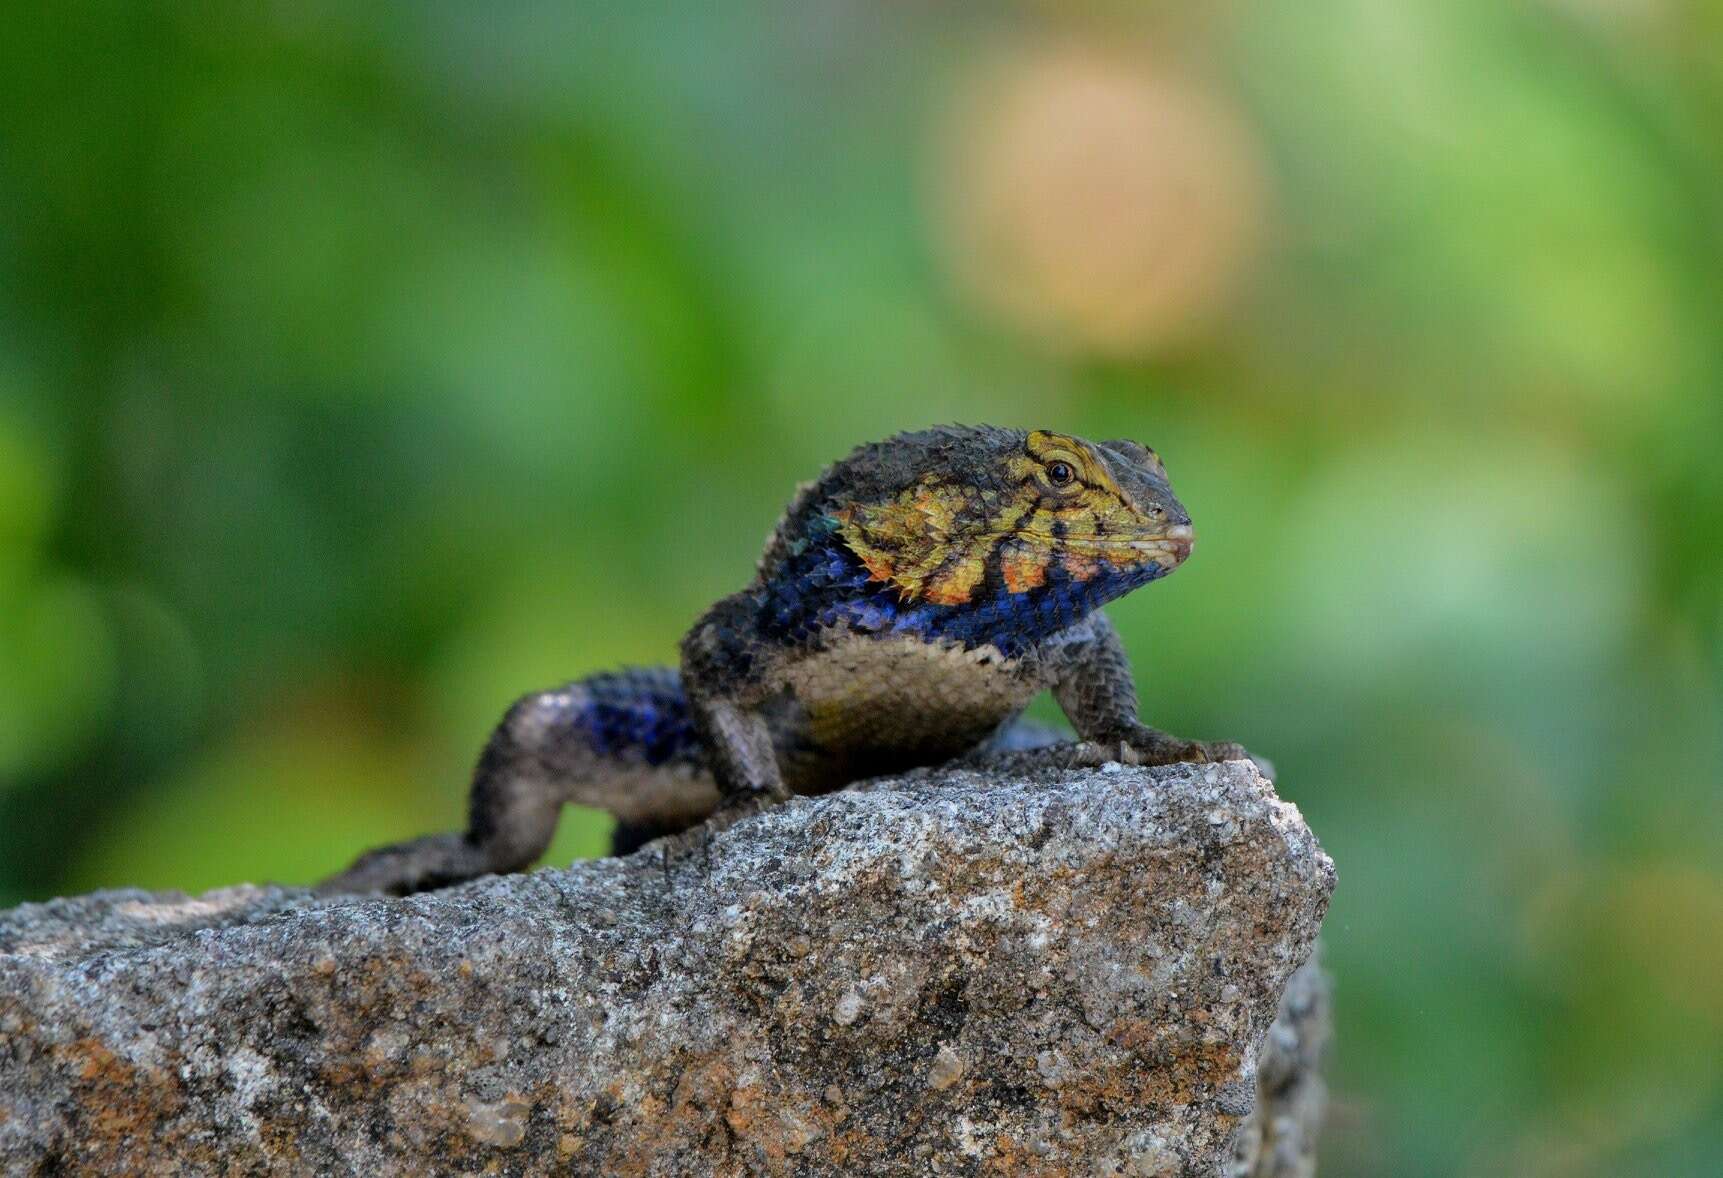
(955, 582)
(1047, 449)
(1084, 517)
(1056, 503)
(915, 542)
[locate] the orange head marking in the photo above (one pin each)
(953, 522)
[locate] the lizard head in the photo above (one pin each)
(955, 515)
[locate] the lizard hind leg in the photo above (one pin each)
(618, 741)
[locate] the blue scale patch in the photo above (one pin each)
(640, 712)
(825, 583)
(643, 713)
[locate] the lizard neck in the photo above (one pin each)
(820, 584)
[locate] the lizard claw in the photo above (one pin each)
(1091, 754)
(1231, 750)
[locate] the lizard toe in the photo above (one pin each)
(1230, 750)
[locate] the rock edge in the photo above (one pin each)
(1004, 968)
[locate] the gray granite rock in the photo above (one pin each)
(1006, 968)
(1278, 1139)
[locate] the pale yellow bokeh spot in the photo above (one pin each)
(1098, 200)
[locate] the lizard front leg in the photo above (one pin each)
(720, 672)
(739, 744)
(1091, 679)
(744, 766)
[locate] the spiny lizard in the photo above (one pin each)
(909, 604)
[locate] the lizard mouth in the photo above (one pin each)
(1175, 543)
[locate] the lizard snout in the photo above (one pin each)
(1180, 538)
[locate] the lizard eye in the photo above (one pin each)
(1060, 474)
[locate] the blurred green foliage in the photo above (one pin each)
(364, 366)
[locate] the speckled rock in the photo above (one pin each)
(1278, 1139)
(1012, 968)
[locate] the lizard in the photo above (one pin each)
(909, 604)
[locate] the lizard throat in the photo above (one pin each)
(826, 586)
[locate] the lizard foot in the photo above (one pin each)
(1092, 754)
(1165, 751)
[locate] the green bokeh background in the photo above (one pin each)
(360, 370)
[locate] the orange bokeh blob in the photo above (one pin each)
(1098, 201)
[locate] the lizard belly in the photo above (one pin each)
(872, 705)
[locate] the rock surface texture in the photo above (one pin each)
(1011, 968)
